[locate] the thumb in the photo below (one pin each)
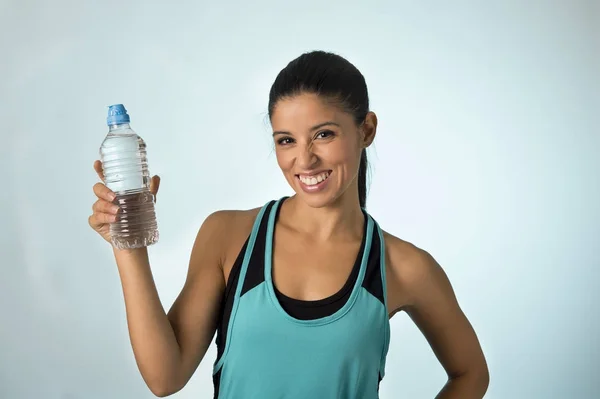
(98, 169)
(154, 185)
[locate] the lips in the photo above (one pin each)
(313, 179)
(314, 182)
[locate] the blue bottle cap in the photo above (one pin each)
(117, 114)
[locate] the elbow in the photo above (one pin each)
(163, 387)
(162, 391)
(480, 381)
(486, 381)
(483, 378)
(475, 381)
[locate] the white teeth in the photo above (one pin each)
(310, 181)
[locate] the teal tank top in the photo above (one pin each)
(265, 352)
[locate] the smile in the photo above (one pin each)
(315, 179)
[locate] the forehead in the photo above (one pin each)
(303, 111)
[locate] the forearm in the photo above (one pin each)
(154, 343)
(466, 386)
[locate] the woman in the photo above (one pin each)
(300, 290)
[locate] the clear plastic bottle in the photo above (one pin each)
(125, 167)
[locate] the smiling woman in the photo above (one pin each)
(299, 290)
(329, 101)
(314, 155)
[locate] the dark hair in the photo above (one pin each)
(338, 81)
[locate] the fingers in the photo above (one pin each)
(98, 219)
(104, 212)
(98, 169)
(104, 192)
(154, 185)
(102, 206)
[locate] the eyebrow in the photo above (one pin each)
(320, 125)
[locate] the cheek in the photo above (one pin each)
(284, 160)
(343, 153)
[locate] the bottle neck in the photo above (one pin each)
(119, 127)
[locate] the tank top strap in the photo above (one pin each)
(242, 277)
(382, 265)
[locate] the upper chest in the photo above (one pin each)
(308, 269)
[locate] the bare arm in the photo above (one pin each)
(431, 303)
(168, 349)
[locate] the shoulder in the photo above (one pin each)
(412, 273)
(225, 232)
(227, 224)
(229, 220)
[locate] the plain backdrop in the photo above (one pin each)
(486, 156)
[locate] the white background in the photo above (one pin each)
(486, 156)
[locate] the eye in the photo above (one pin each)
(285, 141)
(323, 134)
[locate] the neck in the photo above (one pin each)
(342, 219)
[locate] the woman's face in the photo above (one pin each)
(318, 147)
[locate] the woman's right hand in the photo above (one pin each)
(104, 209)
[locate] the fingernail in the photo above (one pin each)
(112, 196)
(115, 209)
(113, 218)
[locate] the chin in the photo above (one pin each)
(315, 200)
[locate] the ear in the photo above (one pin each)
(369, 129)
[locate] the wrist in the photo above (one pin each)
(130, 254)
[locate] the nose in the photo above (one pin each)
(306, 159)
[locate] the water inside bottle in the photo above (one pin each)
(136, 225)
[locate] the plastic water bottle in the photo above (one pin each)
(125, 167)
